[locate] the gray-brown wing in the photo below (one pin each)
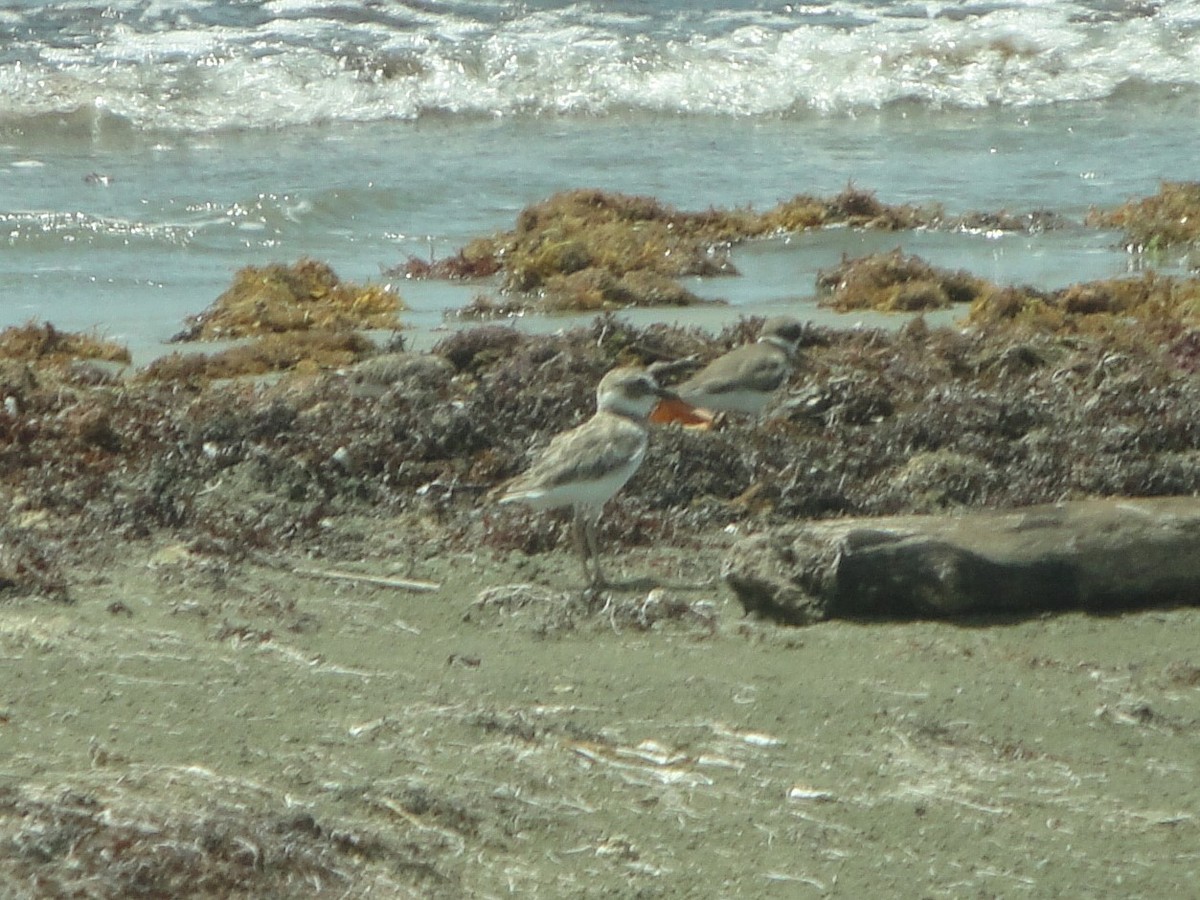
(756, 367)
(599, 447)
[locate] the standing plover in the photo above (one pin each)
(744, 379)
(583, 467)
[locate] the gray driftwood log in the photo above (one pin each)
(1097, 555)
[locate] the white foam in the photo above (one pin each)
(307, 65)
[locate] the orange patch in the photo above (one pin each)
(673, 409)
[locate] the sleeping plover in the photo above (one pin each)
(583, 467)
(744, 379)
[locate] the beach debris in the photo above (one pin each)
(919, 419)
(642, 764)
(1161, 304)
(403, 584)
(742, 737)
(810, 794)
(590, 250)
(305, 352)
(478, 259)
(555, 611)
(484, 307)
(590, 290)
(1037, 221)
(481, 348)
(853, 207)
(174, 831)
(26, 567)
(893, 282)
(511, 599)
(409, 373)
(1168, 220)
(42, 344)
(578, 230)
(587, 249)
(659, 607)
(369, 728)
(305, 296)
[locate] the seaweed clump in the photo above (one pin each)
(306, 353)
(590, 290)
(580, 230)
(26, 567)
(477, 259)
(894, 282)
(1169, 219)
(1161, 304)
(592, 250)
(853, 207)
(44, 345)
(305, 296)
(303, 318)
(126, 843)
(575, 231)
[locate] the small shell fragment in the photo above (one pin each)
(808, 792)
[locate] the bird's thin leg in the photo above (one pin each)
(579, 534)
(593, 543)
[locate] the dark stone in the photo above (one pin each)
(1095, 555)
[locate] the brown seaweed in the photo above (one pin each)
(305, 296)
(43, 344)
(1168, 219)
(893, 282)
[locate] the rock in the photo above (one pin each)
(1095, 555)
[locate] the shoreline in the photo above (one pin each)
(189, 710)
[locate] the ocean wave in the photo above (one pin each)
(49, 230)
(259, 219)
(213, 66)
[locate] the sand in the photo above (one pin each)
(191, 727)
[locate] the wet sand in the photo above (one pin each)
(269, 732)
